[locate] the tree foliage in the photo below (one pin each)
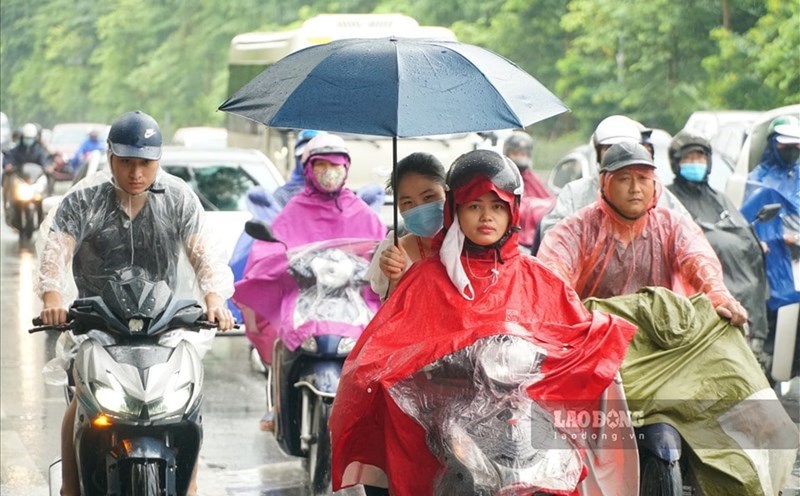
(657, 61)
(758, 68)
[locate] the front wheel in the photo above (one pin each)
(319, 452)
(28, 226)
(659, 477)
(144, 480)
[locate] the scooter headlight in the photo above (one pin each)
(23, 192)
(115, 400)
(171, 402)
(309, 345)
(345, 346)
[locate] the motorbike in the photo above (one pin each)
(28, 187)
(139, 376)
(664, 469)
(321, 315)
(702, 399)
(783, 272)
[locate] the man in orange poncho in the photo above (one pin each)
(624, 242)
(478, 286)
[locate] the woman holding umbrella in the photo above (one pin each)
(420, 200)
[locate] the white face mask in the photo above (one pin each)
(28, 141)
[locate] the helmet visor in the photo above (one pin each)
(142, 152)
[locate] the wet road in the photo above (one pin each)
(236, 458)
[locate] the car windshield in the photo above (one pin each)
(219, 187)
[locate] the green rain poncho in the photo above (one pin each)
(691, 369)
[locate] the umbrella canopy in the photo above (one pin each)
(395, 87)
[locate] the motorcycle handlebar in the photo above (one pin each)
(39, 326)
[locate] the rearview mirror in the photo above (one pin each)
(258, 229)
(768, 212)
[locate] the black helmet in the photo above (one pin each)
(626, 153)
(135, 135)
(684, 142)
(519, 141)
(500, 170)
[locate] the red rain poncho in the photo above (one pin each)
(427, 318)
(601, 255)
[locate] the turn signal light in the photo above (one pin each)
(101, 421)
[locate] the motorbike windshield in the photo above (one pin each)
(134, 294)
(314, 289)
(104, 231)
(488, 434)
(330, 277)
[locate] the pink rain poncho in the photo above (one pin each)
(602, 255)
(310, 216)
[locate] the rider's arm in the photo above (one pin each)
(561, 250)
(215, 279)
(564, 207)
(54, 262)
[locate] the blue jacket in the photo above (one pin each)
(89, 145)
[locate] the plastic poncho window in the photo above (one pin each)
(601, 255)
(314, 289)
(482, 426)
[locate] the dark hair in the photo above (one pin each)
(421, 163)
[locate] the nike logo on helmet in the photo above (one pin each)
(149, 133)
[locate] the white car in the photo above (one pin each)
(753, 148)
(221, 178)
(201, 137)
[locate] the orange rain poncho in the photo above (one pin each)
(602, 255)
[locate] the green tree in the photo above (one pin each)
(759, 68)
(643, 59)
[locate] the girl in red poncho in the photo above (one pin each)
(480, 286)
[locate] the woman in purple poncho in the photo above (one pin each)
(324, 210)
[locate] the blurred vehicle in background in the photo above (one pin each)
(201, 137)
(580, 162)
(67, 138)
(221, 178)
(752, 150)
(5, 131)
(725, 129)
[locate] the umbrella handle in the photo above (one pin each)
(394, 199)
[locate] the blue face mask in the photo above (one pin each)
(694, 172)
(425, 220)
